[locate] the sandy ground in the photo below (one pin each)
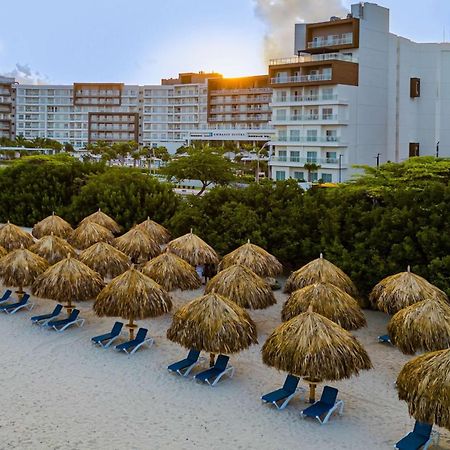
(60, 392)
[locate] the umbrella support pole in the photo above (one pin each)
(312, 390)
(69, 307)
(212, 357)
(131, 328)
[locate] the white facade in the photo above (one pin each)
(337, 126)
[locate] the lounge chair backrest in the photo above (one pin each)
(193, 354)
(25, 298)
(7, 293)
(57, 310)
(291, 383)
(329, 395)
(222, 362)
(423, 429)
(117, 328)
(141, 334)
(73, 314)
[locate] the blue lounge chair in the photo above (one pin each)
(12, 308)
(420, 437)
(45, 318)
(61, 325)
(185, 366)
(213, 375)
(6, 295)
(325, 407)
(132, 346)
(105, 340)
(288, 390)
(384, 339)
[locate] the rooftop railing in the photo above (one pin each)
(329, 41)
(302, 78)
(303, 58)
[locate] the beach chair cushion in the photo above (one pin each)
(6, 295)
(191, 358)
(140, 337)
(417, 438)
(116, 329)
(22, 302)
(54, 313)
(289, 388)
(58, 323)
(323, 406)
(219, 367)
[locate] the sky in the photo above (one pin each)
(142, 41)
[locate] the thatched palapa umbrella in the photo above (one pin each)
(21, 267)
(52, 248)
(424, 384)
(193, 249)
(3, 252)
(243, 286)
(13, 237)
(172, 272)
(315, 348)
(156, 231)
(424, 326)
(255, 258)
(105, 259)
(138, 245)
(88, 234)
(403, 289)
(104, 220)
(320, 270)
(329, 301)
(67, 281)
(214, 324)
(52, 224)
(133, 296)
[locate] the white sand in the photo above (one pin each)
(60, 392)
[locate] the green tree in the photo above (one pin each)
(311, 167)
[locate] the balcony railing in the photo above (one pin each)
(329, 41)
(307, 139)
(303, 58)
(306, 118)
(302, 78)
(241, 91)
(295, 159)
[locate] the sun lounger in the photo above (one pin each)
(185, 366)
(421, 437)
(6, 295)
(61, 325)
(105, 340)
(213, 375)
(132, 346)
(45, 318)
(12, 308)
(325, 407)
(384, 339)
(284, 394)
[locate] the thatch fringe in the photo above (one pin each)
(52, 224)
(53, 248)
(13, 237)
(138, 245)
(403, 289)
(156, 231)
(193, 249)
(424, 384)
(213, 324)
(424, 326)
(172, 272)
(89, 233)
(255, 258)
(104, 220)
(329, 301)
(243, 286)
(21, 267)
(133, 296)
(105, 259)
(314, 347)
(3, 252)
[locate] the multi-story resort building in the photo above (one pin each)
(357, 94)
(7, 107)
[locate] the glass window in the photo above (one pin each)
(326, 177)
(294, 135)
(313, 177)
(327, 113)
(331, 135)
(331, 157)
(311, 135)
(299, 176)
(311, 157)
(280, 175)
(282, 135)
(281, 114)
(295, 156)
(282, 154)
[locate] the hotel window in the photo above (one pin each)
(282, 155)
(294, 135)
(311, 157)
(331, 157)
(327, 93)
(299, 176)
(327, 177)
(327, 113)
(281, 114)
(280, 175)
(313, 177)
(331, 136)
(311, 135)
(295, 156)
(282, 135)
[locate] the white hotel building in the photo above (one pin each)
(356, 92)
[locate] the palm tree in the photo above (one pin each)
(311, 167)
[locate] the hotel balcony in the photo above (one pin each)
(319, 119)
(323, 141)
(302, 78)
(331, 41)
(300, 162)
(304, 58)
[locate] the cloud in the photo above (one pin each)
(25, 75)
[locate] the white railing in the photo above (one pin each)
(302, 78)
(305, 98)
(240, 91)
(303, 58)
(329, 41)
(306, 118)
(307, 139)
(296, 159)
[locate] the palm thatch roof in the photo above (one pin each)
(52, 248)
(52, 224)
(214, 324)
(138, 245)
(255, 258)
(105, 259)
(104, 220)
(3, 252)
(132, 296)
(314, 347)
(320, 270)
(13, 237)
(156, 231)
(89, 233)
(329, 301)
(193, 249)
(68, 280)
(424, 326)
(403, 289)
(172, 272)
(21, 267)
(243, 286)
(424, 384)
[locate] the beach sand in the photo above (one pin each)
(60, 392)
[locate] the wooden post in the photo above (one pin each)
(312, 392)
(131, 327)
(212, 357)
(69, 307)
